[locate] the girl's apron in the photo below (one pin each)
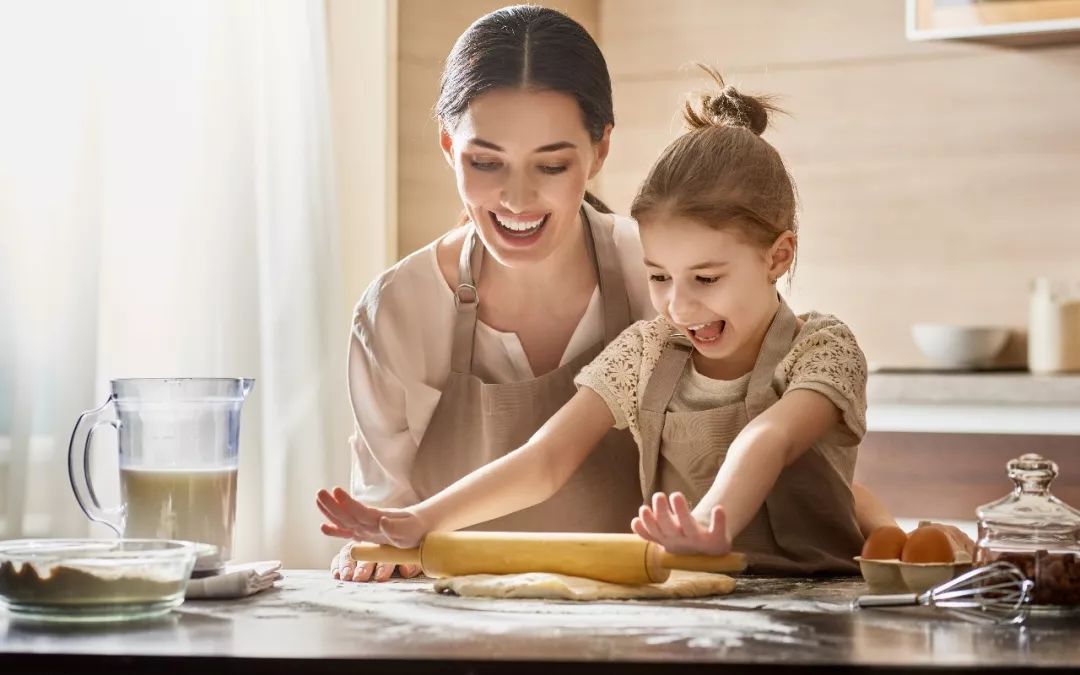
(807, 524)
(476, 422)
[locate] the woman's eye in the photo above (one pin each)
(658, 278)
(707, 280)
(552, 170)
(484, 166)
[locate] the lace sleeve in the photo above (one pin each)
(620, 372)
(614, 375)
(828, 360)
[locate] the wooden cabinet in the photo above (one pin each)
(1001, 21)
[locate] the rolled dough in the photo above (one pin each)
(543, 585)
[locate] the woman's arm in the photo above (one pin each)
(520, 479)
(382, 444)
(379, 379)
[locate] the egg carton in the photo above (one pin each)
(897, 576)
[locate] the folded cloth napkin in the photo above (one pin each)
(236, 581)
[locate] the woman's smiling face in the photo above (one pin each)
(715, 286)
(522, 159)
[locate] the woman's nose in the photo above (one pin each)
(518, 193)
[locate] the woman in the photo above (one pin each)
(465, 348)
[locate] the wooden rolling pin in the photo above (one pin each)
(616, 558)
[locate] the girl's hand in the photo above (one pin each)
(343, 567)
(350, 519)
(670, 524)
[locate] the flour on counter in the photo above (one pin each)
(406, 609)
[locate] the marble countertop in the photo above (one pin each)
(313, 624)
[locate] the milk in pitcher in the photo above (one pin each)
(191, 504)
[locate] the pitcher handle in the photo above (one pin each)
(79, 470)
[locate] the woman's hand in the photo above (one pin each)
(343, 567)
(350, 519)
(668, 522)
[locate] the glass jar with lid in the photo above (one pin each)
(1035, 531)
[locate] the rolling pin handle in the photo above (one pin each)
(720, 564)
(384, 554)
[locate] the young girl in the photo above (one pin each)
(747, 418)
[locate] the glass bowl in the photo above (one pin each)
(91, 580)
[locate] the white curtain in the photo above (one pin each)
(167, 209)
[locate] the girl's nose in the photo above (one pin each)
(681, 303)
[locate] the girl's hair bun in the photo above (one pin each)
(728, 108)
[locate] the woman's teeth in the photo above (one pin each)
(520, 227)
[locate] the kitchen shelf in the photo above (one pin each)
(1013, 22)
(991, 403)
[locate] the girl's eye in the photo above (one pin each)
(484, 166)
(658, 278)
(707, 280)
(552, 170)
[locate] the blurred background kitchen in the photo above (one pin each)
(206, 187)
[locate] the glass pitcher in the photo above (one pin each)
(178, 442)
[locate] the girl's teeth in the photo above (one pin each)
(707, 332)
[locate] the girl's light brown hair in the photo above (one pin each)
(721, 173)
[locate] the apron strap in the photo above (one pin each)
(666, 375)
(776, 345)
(653, 408)
(609, 276)
(467, 300)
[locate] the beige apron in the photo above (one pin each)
(807, 524)
(476, 423)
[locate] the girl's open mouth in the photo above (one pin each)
(706, 333)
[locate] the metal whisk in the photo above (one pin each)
(996, 593)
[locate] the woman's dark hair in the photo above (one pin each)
(526, 46)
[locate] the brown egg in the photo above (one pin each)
(928, 544)
(884, 543)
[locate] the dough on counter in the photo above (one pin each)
(547, 586)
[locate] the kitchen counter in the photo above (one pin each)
(312, 624)
(973, 402)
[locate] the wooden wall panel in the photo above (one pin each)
(646, 38)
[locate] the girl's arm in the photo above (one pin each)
(870, 512)
(522, 478)
(770, 442)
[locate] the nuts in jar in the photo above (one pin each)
(1056, 575)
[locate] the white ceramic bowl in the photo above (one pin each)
(951, 346)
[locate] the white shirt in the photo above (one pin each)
(399, 360)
